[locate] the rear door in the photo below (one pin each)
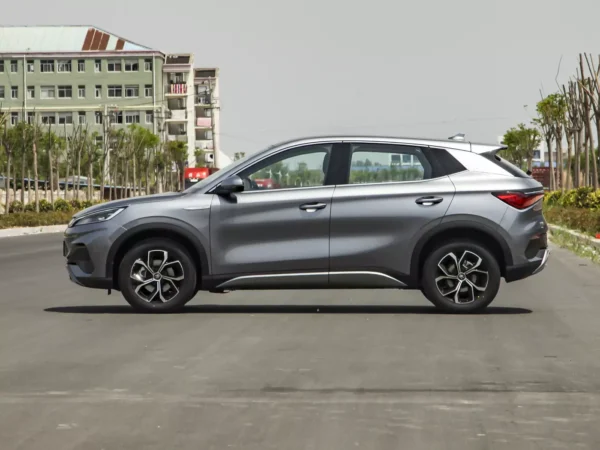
(393, 192)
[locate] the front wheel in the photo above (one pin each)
(461, 277)
(157, 275)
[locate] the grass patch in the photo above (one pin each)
(586, 221)
(575, 244)
(31, 219)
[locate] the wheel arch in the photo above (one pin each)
(160, 228)
(484, 233)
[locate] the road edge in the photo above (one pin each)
(28, 231)
(580, 236)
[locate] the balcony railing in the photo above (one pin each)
(203, 122)
(178, 114)
(177, 89)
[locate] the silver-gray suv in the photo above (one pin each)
(448, 217)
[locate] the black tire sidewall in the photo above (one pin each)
(186, 291)
(429, 274)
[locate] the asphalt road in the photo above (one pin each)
(296, 370)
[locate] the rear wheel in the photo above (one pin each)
(461, 277)
(157, 275)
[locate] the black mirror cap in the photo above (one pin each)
(230, 186)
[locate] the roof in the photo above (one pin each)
(62, 39)
(445, 143)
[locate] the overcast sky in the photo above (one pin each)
(406, 68)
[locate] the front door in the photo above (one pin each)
(392, 194)
(280, 222)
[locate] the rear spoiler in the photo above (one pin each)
(487, 148)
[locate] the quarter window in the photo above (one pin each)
(375, 163)
(295, 168)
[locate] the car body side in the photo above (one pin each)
(364, 235)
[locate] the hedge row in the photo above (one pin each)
(584, 197)
(32, 219)
(45, 206)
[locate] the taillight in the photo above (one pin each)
(519, 200)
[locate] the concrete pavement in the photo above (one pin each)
(296, 370)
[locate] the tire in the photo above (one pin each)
(177, 276)
(466, 291)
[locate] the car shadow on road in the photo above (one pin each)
(285, 309)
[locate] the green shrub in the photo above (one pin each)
(86, 204)
(30, 207)
(584, 220)
(76, 204)
(29, 219)
(16, 207)
(62, 205)
(45, 205)
(584, 197)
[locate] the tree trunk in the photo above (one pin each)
(559, 162)
(134, 178)
(569, 161)
(587, 157)
(126, 183)
(51, 172)
(23, 179)
(90, 175)
(578, 137)
(595, 157)
(67, 176)
(8, 163)
(35, 173)
(78, 172)
(550, 162)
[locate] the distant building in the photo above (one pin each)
(69, 75)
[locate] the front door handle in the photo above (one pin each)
(312, 207)
(428, 201)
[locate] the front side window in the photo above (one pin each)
(377, 163)
(294, 168)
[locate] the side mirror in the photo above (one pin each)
(230, 186)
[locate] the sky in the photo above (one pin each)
(428, 68)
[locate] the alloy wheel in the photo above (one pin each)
(158, 279)
(462, 279)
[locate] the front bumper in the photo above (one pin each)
(533, 267)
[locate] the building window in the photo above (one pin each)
(63, 66)
(114, 66)
(98, 91)
(1, 66)
(148, 65)
(118, 117)
(2, 92)
(81, 65)
(81, 118)
(149, 117)
(65, 118)
(148, 90)
(46, 65)
(30, 118)
(132, 117)
(115, 91)
(65, 91)
(47, 92)
(132, 91)
(49, 118)
(14, 66)
(30, 66)
(81, 91)
(14, 118)
(98, 65)
(14, 92)
(132, 66)
(30, 92)
(98, 117)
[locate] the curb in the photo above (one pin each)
(582, 237)
(27, 231)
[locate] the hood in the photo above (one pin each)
(128, 202)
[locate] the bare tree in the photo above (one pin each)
(591, 86)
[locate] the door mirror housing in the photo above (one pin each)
(230, 186)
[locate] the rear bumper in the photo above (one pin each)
(533, 267)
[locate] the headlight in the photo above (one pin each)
(95, 217)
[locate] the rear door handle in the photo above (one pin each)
(428, 201)
(312, 207)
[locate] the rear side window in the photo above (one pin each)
(385, 163)
(506, 165)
